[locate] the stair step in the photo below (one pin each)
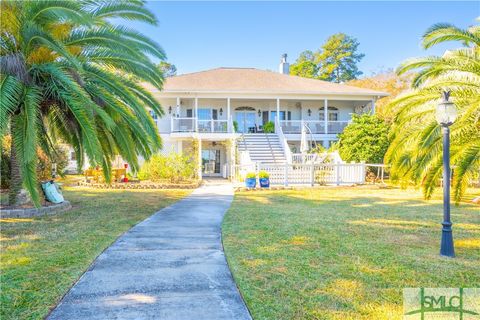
(263, 148)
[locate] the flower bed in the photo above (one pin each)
(141, 185)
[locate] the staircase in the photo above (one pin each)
(263, 147)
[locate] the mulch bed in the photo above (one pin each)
(140, 185)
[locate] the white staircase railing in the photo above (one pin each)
(283, 140)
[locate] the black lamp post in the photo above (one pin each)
(446, 115)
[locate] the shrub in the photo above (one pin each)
(44, 165)
(235, 126)
(5, 170)
(251, 175)
(365, 139)
(174, 167)
(263, 175)
(318, 149)
(269, 127)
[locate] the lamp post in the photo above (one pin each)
(446, 114)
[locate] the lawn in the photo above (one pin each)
(344, 253)
(42, 257)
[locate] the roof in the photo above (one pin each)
(251, 80)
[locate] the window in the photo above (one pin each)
(332, 114)
(207, 114)
(282, 115)
(204, 114)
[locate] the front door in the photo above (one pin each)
(246, 121)
(210, 162)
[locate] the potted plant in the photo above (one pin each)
(264, 179)
(251, 180)
(269, 127)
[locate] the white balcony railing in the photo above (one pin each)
(202, 126)
(213, 126)
(291, 126)
(315, 126)
(336, 126)
(183, 124)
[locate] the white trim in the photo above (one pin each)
(373, 93)
(325, 115)
(250, 95)
(229, 129)
(278, 107)
(196, 113)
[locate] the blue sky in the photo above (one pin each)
(203, 35)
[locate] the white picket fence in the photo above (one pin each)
(308, 174)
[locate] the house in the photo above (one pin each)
(223, 112)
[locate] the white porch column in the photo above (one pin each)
(199, 172)
(325, 115)
(277, 117)
(196, 114)
(373, 106)
(177, 109)
(229, 122)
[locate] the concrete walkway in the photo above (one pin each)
(170, 266)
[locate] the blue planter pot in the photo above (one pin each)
(250, 182)
(264, 182)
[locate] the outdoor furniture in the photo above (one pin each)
(97, 174)
(118, 173)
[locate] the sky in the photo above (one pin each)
(204, 35)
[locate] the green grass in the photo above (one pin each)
(344, 253)
(42, 257)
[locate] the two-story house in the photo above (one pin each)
(226, 109)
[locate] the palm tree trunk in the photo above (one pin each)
(15, 178)
(17, 195)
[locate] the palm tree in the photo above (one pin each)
(70, 71)
(415, 151)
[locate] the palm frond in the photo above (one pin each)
(131, 10)
(443, 32)
(10, 98)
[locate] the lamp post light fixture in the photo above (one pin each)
(446, 114)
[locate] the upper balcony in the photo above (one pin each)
(216, 117)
